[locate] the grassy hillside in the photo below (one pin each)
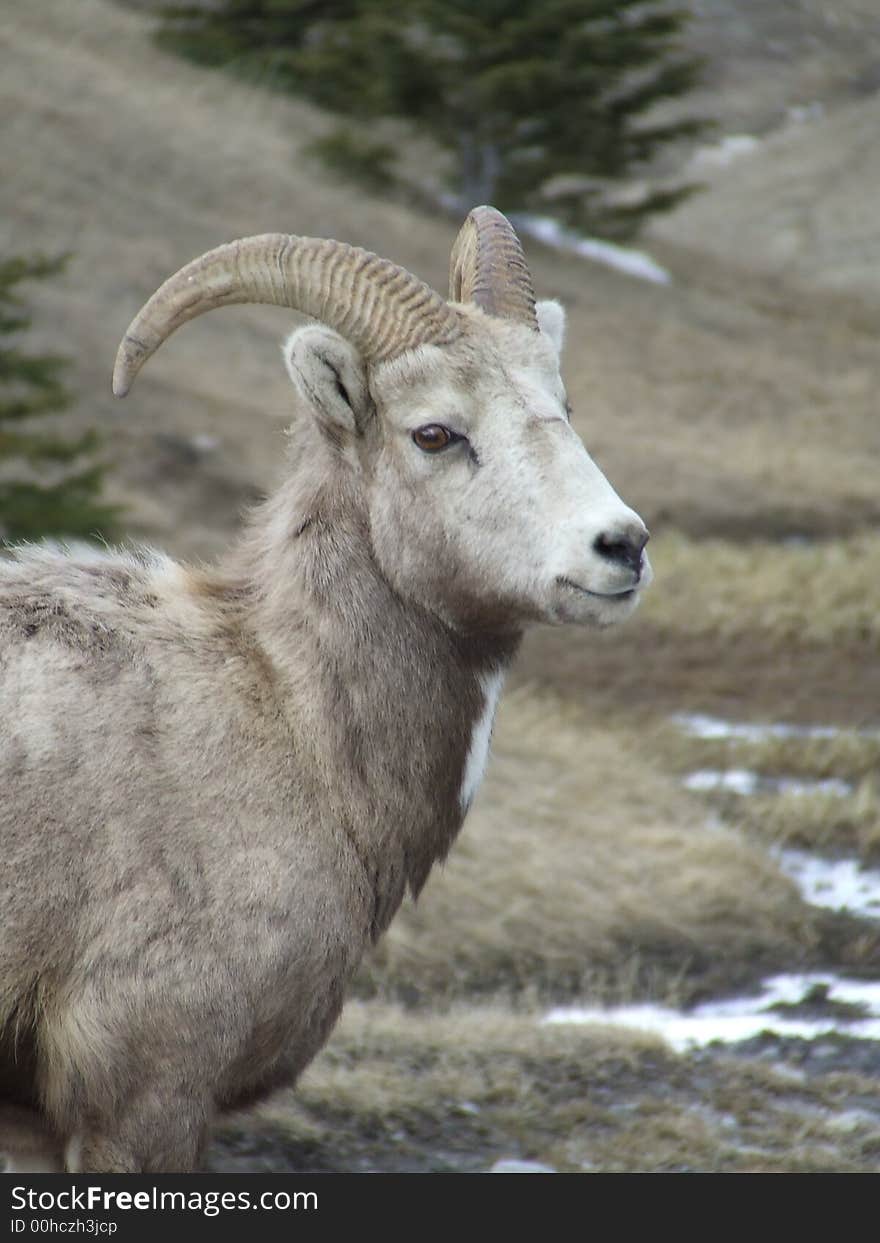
(723, 404)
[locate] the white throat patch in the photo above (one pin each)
(478, 754)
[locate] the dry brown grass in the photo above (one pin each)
(814, 821)
(850, 755)
(815, 594)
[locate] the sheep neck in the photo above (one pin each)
(395, 708)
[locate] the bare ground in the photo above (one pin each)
(747, 677)
(390, 1095)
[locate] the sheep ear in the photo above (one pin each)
(551, 321)
(329, 374)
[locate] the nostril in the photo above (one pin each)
(624, 547)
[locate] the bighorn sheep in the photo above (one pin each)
(218, 784)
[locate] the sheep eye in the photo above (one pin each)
(434, 437)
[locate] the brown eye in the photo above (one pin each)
(433, 437)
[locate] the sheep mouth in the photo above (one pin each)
(626, 594)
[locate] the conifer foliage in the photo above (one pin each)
(49, 483)
(537, 104)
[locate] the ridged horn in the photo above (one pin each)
(382, 309)
(488, 267)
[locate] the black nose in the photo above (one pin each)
(624, 546)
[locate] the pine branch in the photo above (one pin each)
(30, 387)
(515, 92)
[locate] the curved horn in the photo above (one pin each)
(488, 267)
(381, 308)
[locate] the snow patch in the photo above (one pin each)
(513, 1165)
(742, 1018)
(803, 114)
(700, 725)
(721, 154)
(203, 443)
(552, 233)
(838, 884)
(744, 781)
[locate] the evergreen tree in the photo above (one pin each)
(49, 485)
(529, 98)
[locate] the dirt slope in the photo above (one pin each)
(794, 90)
(802, 204)
(767, 61)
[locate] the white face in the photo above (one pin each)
(484, 504)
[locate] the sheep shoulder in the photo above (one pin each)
(90, 600)
(139, 716)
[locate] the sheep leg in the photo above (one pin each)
(155, 1133)
(27, 1143)
(33, 1163)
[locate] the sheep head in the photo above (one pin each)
(450, 419)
